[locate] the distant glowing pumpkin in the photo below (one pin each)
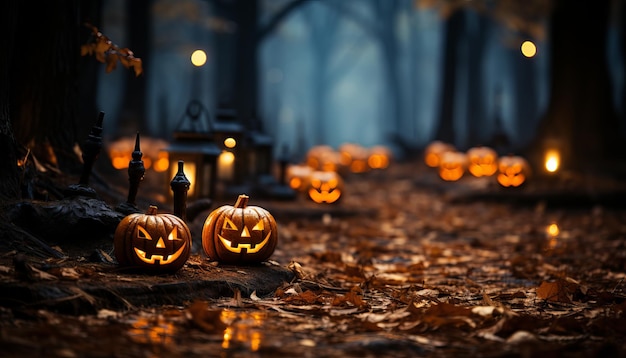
(298, 176)
(513, 171)
(323, 157)
(353, 157)
(434, 151)
(239, 234)
(482, 161)
(325, 187)
(379, 157)
(452, 166)
(151, 241)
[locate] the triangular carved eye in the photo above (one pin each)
(228, 224)
(259, 226)
(143, 234)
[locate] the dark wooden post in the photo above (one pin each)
(180, 186)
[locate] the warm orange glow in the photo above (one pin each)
(226, 165)
(190, 174)
(198, 58)
(298, 176)
(230, 142)
(359, 166)
(512, 171)
(553, 230)
(243, 329)
(323, 157)
(162, 162)
(452, 166)
(434, 151)
(353, 157)
(483, 161)
(552, 160)
(325, 187)
(152, 331)
(379, 157)
(528, 49)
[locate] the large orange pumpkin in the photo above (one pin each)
(239, 234)
(151, 241)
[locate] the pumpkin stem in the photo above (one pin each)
(242, 201)
(152, 210)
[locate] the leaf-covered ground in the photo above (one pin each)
(408, 274)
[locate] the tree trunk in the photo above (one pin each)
(44, 80)
(139, 30)
(581, 119)
(9, 178)
(454, 31)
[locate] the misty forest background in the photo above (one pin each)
(399, 72)
(307, 72)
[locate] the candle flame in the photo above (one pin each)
(552, 161)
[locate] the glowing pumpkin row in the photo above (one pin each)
(238, 234)
(320, 186)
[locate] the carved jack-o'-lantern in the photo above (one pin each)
(353, 157)
(512, 171)
(452, 166)
(434, 151)
(298, 176)
(379, 157)
(325, 187)
(483, 161)
(323, 157)
(158, 242)
(239, 234)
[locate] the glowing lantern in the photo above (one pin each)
(379, 157)
(354, 157)
(151, 241)
(325, 187)
(483, 161)
(194, 146)
(512, 171)
(552, 160)
(239, 234)
(452, 166)
(434, 151)
(298, 176)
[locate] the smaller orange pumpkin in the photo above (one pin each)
(323, 157)
(239, 234)
(325, 187)
(353, 157)
(298, 176)
(434, 151)
(379, 157)
(512, 171)
(452, 166)
(151, 241)
(483, 161)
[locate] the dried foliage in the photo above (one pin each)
(424, 277)
(107, 52)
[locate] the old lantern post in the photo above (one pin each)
(193, 144)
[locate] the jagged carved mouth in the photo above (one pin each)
(250, 248)
(160, 258)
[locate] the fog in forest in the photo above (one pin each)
(363, 71)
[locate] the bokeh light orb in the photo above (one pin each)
(198, 58)
(529, 49)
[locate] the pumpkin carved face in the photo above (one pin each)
(452, 166)
(159, 242)
(512, 171)
(434, 151)
(239, 234)
(483, 161)
(325, 187)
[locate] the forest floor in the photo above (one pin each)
(406, 265)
